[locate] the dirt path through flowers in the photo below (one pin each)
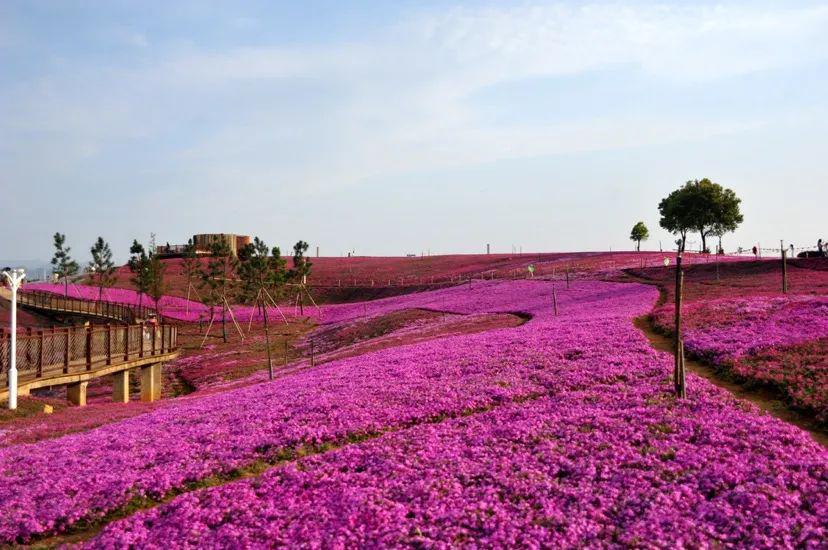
(765, 398)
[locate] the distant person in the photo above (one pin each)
(755, 252)
(792, 250)
(819, 247)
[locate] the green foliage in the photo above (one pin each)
(148, 272)
(702, 206)
(260, 272)
(101, 268)
(301, 263)
(262, 278)
(62, 263)
(155, 271)
(216, 280)
(639, 233)
(139, 266)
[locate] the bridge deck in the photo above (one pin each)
(73, 355)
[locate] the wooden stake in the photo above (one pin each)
(678, 374)
(784, 268)
(233, 317)
(555, 300)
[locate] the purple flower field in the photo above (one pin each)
(561, 431)
(725, 330)
(776, 341)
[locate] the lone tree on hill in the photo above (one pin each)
(62, 263)
(139, 266)
(102, 268)
(216, 278)
(260, 275)
(702, 206)
(639, 233)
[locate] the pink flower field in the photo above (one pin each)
(562, 431)
(776, 341)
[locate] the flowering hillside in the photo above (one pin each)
(383, 272)
(744, 325)
(560, 431)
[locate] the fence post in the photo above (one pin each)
(313, 361)
(784, 268)
(163, 337)
(89, 330)
(67, 350)
(154, 331)
(555, 300)
(108, 344)
(678, 374)
(286, 350)
(40, 354)
(126, 343)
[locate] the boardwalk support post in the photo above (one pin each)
(151, 382)
(120, 387)
(76, 393)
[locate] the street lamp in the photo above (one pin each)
(15, 278)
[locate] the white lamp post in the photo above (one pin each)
(15, 278)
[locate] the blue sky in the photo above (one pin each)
(394, 127)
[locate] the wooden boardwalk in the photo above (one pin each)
(74, 355)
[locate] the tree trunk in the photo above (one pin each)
(65, 286)
(638, 246)
(704, 240)
(267, 343)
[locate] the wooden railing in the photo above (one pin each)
(62, 304)
(57, 351)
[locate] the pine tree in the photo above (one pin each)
(216, 280)
(139, 265)
(102, 268)
(261, 276)
(62, 263)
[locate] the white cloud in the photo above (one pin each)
(398, 100)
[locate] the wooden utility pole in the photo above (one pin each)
(678, 372)
(784, 267)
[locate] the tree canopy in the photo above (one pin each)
(700, 206)
(101, 268)
(261, 277)
(639, 233)
(216, 279)
(301, 263)
(62, 263)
